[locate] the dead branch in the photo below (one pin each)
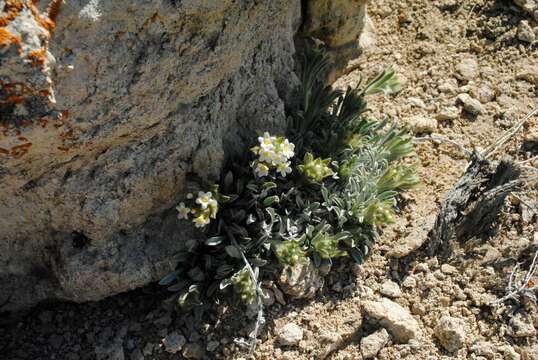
(473, 204)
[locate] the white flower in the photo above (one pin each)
(267, 155)
(278, 159)
(283, 168)
(183, 211)
(288, 149)
(214, 207)
(200, 221)
(203, 199)
(261, 170)
(267, 141)
(190, 196)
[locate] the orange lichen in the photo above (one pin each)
(37, 57)
(14, 99)
(68, 134)
(22, 92)
(7, 38)
(20, 150)
(12, 8)
(48, 22)
(43, 122)
(26, 123)
(54, 9)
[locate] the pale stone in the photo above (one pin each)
(304, 281)
(448, 113)
(525, 32)
(521, 326)
(394, 318)
(451, 333)
(373, 343)
(422, 124)
(391, 289)
(290, 334)
(470, 105)
(467, 69)
(174, 342)
(193, 351)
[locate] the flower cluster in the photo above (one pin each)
(316, 169)
(243, 286)
(398, 177)
(290, 253)
(273, 153)
(203, 208)
(379, 213)
(327, 246)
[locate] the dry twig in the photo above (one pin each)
(490, 150)
(444, 139)
(523, 289)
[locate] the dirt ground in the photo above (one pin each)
(441, 49)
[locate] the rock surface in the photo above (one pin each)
(290, 335)
(343, 26)
(422, 124)
(373, 343)
(415, 239)
(394, 318)
(113, 111)
(521, 326)
(451, 333)
(530, 6)
(470, 105)
(174, 342)
(304, 282)
(391, 289)
(467, 69)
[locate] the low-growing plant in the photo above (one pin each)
(318, 192)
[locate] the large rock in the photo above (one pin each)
(112, 110)
(343, 26)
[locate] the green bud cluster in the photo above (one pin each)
(327, 246)
(290, 253)
(399, 177)
(244, 287)
(399, 146)
(378, 213)
(355, 140)
(316, 169)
